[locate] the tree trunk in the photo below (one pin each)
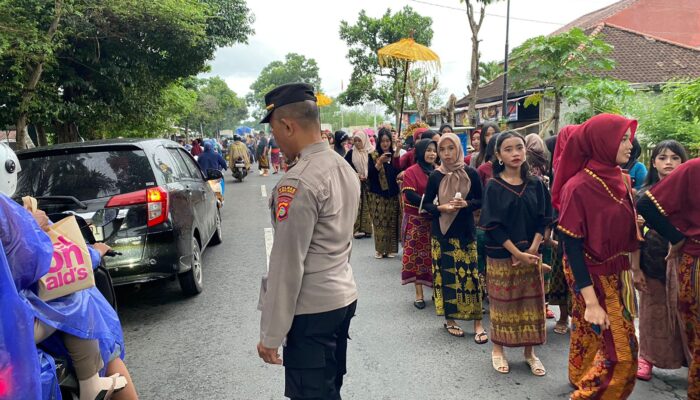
(474, 76)
(66, 132)
(187, 132)
(41, 136)
(23, 141)
(30, 86)
(557, 110)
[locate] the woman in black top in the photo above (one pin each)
(456, 284)
(383, 197)
(517, 209)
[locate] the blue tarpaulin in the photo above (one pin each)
(26, 256)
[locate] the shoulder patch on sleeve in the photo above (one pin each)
(285, 195)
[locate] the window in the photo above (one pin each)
(166, 168)
(86, 175)
(192, 166)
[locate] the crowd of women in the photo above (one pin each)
(519, 224)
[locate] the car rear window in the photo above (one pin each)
(85, 175)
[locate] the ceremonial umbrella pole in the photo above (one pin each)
(323, 101)
(406, 51)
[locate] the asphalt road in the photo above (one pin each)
(204, 347)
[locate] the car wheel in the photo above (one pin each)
(218, 235)
(191, 281)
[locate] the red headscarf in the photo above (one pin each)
(675, 199)
(417, 133)
(562, 138)
(593, 145)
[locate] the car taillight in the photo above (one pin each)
(156, 199)
(157, 205)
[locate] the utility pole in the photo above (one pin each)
(505, 68)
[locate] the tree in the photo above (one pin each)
(421, 87)
(218, 107)
(488, 71)
(598, 95)
(554, 63)
(475, 26)
(672, 114)
(370, 82)
(108, 61)
(294, 68)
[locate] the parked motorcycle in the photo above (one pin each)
(239, 169)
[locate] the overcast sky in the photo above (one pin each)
(310, 28)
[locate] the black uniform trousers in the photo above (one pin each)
(315, 355)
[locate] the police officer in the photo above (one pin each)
(309, 295)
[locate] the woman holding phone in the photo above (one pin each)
(383, 169)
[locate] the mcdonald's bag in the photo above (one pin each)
(71, 267)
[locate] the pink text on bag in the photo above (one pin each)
(67, 266)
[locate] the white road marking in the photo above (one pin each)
(269, 240)
(263, 191)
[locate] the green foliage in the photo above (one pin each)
(672, 114)
(294, 68)
(598, 95)
(218, 107)
(370, 82)
(113, 64)
(555, 62)
(351, 116)
(489, 71)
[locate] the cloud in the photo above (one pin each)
(310, 28)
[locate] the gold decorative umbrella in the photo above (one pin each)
(406, 51)
(322, 100)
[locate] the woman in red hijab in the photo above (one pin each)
(671, 209)
(598, 224)
(409, 158)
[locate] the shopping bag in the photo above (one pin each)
(71, 266)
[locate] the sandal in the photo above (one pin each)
(419, 304)
(644, 370)
(478, 338)
(391, 255)
(536, 366)
(359, 235)
(451, 328)
(561, 328)
(378, 255)
(107, 394)
(500, 364)
(550, 314)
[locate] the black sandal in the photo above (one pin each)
(419, 304)
(478, 336)
(454, 328)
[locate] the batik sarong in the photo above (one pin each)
(516, 303)
(385, 220)
(456, 283)
(689, 310)
(417, 259)
(602, 364)
(363, 223)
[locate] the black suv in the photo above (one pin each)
(147, 199)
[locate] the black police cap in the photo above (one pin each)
(286, 94)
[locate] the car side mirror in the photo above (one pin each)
(214, 174)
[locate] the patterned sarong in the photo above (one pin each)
(602, 364)
(516, 299)
(385, 220)
(417, 261)
(456, 283)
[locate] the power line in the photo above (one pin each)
(489, 14)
